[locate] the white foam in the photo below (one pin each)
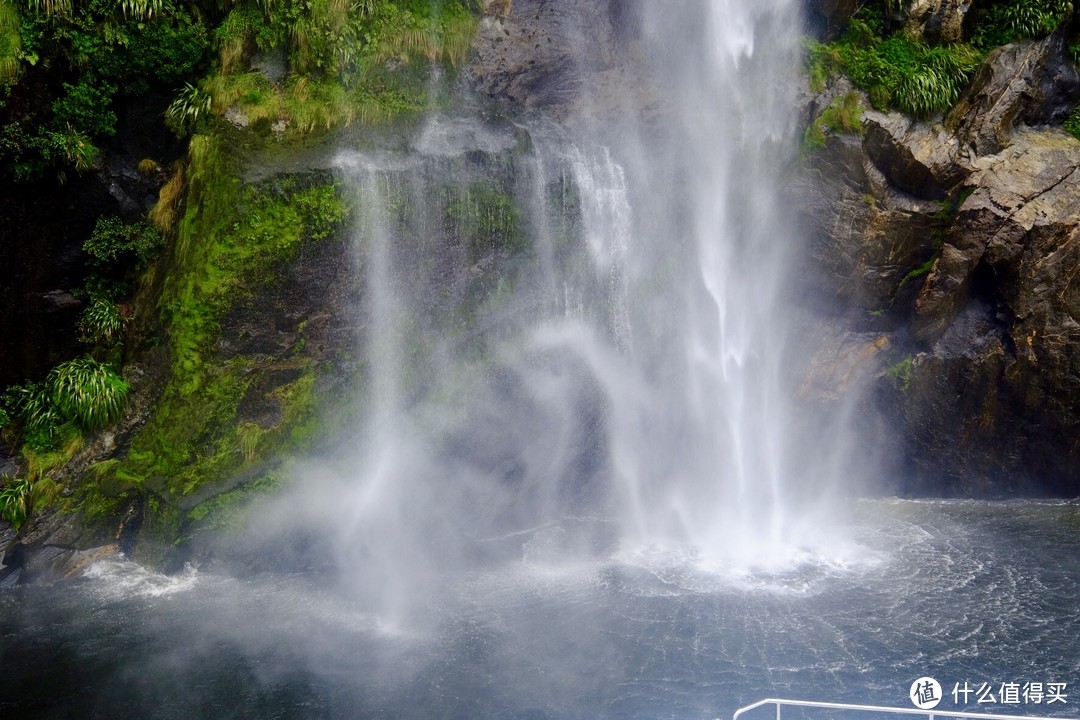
(118, 578)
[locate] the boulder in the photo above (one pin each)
(916, 158)
(937, 21)
(1031, 82)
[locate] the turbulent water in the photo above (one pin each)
(578, 485)
(963, 591)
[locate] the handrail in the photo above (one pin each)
(930, 714)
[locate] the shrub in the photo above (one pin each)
(191, 105)
(15, 500)
(101, 322)
(113, 243)
(88, 392)
(140, 8)
(19, 497)
(88, 106)
(900, 374)
(906, 74)
(41, 419)
(1007, 21)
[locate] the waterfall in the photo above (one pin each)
(577, 344)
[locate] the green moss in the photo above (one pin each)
(918, 272)
(227, 509)
(368, 64)
(900, 374)
(822, 62)
(230, 237)
(843, 115)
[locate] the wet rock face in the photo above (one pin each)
(979, 379)
(865, 234)
(544, 55)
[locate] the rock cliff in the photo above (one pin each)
(953, 246)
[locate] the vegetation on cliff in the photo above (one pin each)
(900, 70)
(71, 71)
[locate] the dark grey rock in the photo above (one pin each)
(1030, 82)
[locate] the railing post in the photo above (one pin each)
(778, 711)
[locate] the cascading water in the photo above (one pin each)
(614, 376)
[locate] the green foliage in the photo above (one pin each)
(15, 500)
(19, 497)
(87, 106)
(10, 42)
(141, 9)
(88, 392)
(918, 272)
(50, 8)
(844, 115)
(40, 417)
(114, 243)
(191, 105)
(101, 322)
(905, 74)
(822, 61)
(26, 156)
(900, 374)
(108, 49)
(1006, 21)
(1072, 124)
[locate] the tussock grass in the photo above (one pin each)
(166, 211)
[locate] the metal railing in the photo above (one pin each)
(929, 714)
